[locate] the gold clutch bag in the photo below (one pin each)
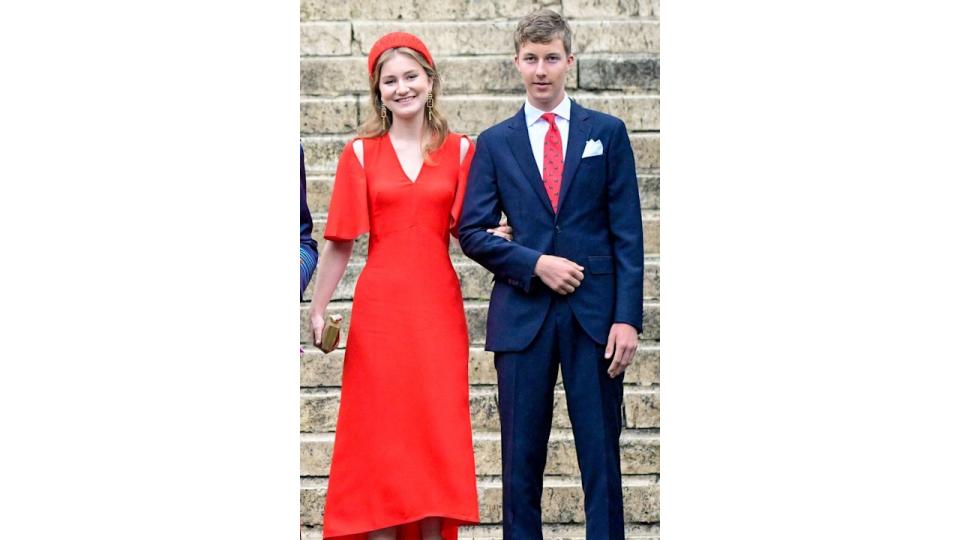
(331, 332)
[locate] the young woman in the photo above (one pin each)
(403, 465)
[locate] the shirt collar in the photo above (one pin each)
(533, 114)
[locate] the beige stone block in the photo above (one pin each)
(639, 454)
(638, 112)
(321, 370)
(321, 153)
(562, 501)
(428, 10)
(650, 9)
(326, 370)
(324, 38)
(616, 36)
(632, 531)
(445, 38)
(334, 76)
(316, 452)
(478, 74)
(319, 190)
(313, 494)
(600, 9)
(651, 233)
(651, 321)
(318, 409)
(646, 151)
(642, 410)
(326, 10)
(475, 113)
(649, 191)
(620, 72)
(645, 369)
(638, 402)
(651, 280)
(328, 115)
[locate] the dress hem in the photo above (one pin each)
(462, 520)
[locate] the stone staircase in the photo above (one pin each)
(616, 43)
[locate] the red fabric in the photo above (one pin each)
(348, 214)
(552, 160)
(403, 449)
(392, 41)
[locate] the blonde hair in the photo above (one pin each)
(437, 127)
(543, 26)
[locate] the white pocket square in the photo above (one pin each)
(593, 148)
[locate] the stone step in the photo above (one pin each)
(476, 282)
(651, 237)
(474, 113)
(641, 409)
(633, 531)
(319, 370)
(639, 454)
(321, 152)
(496, 37)
(623, 72)
(320, 189)
(459, 10)
(562, 501)
(476, 314)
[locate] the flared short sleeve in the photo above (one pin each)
(464, 171)
(349, 214)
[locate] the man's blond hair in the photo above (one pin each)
(543, 26)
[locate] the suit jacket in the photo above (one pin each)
(597, 225)
(308, 246)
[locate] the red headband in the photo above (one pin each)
(392, 41)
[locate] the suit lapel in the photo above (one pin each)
(576, 142)
(520, 146)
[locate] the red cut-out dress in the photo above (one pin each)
(403, 447)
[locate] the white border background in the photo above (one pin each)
(149, 368)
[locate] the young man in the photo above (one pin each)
(569, 288)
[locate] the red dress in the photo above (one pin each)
(403, 448)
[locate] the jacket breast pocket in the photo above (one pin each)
(600, 264)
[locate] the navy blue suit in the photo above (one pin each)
(308, 246)
(533, 330)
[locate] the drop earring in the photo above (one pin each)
(383, 117)
(430, 107)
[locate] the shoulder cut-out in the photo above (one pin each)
(464, 147)
(358, 150)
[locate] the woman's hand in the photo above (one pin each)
(317, 319)
(503, 231)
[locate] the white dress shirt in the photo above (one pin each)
(537, 128)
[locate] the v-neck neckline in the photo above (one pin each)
(396, 156)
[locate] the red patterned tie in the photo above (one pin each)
(552, 160)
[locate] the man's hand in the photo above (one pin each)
(563, 276)
(503, 231)
(621, 346)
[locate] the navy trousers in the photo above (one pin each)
(525, 381)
